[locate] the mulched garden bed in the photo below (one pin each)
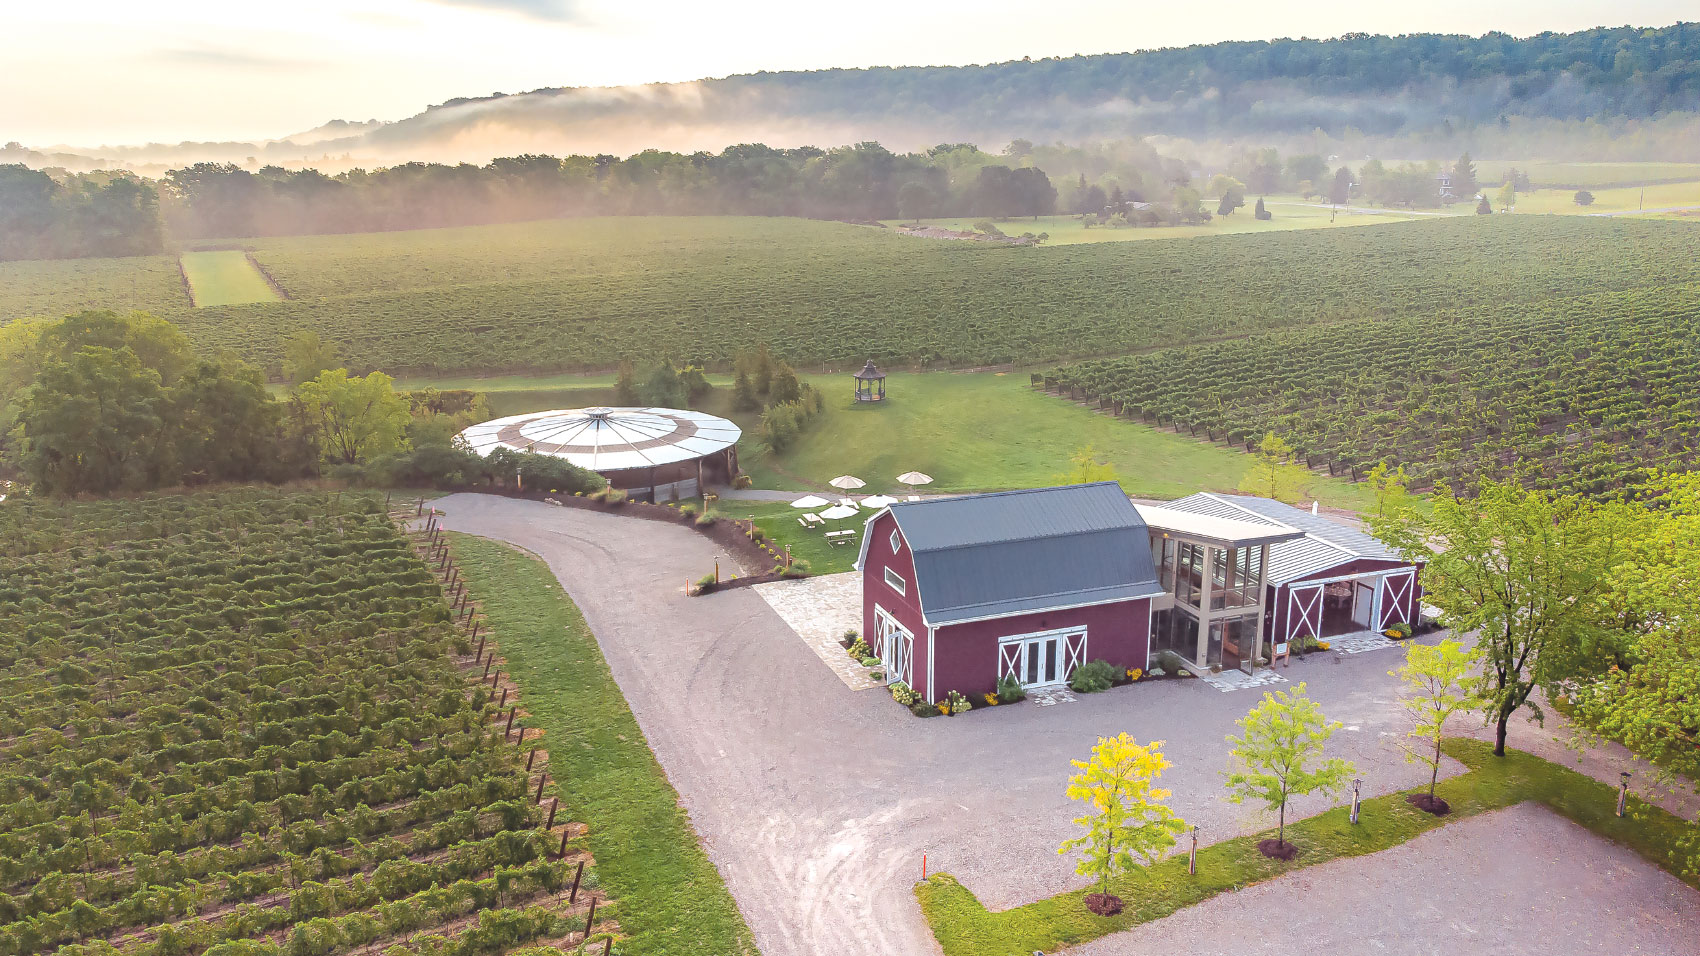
(1427, 804)
(1277, 850)
(1104, 904)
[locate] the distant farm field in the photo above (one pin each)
(1578, 175)
(225, 277)
(583, 294)
(58, 287)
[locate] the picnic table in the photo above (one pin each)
(841, 537)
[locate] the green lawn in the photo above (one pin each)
(778, 520)
(226, 277)
(672, 901)
(964, 927)
(971, 431)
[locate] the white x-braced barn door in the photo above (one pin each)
(894, 646)
(1304, 611)
(1396, 593)
(1075, 654)
(1009, 661)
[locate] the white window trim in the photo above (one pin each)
(896, 541)
(901, 586)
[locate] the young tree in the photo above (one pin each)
(1126, 817)
(784, 386)
(662, 387)
(1261, 213)
(1508, 197)
(761, 367)
(357, 417)
(305, 356)
(1464, 183)
(625, 384)
(1084, 467)
(1275, 474)
(1583, 198)
(1484, 208)
(1441, 681)
(1391, 489)
(1340, 190)
(1528, 572)
(744, 397)
(94, 422)
(1279, 756)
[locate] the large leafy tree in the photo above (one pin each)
(1529, 574)
(94, 423)
(1125, 815)
(1440, 682)
(1279, 755)
(358, 417)
(225, 425)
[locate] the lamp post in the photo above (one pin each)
(1356, 782)
(1622, 792)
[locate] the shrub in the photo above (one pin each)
(1134, 673)
(742, 481)
(921, 708)
(902, 693)
(877, 675)
(706, 520)
(955, 703)
(800, 566)
(609, 495)
(705, 583)
(1171, 662)
(1583, 198)
(870, 662)
(1093, 676)
(542, 471)
(687, 509)
(860, 649)
(1398, 630)
(1010, 689)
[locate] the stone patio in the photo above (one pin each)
(820, 609)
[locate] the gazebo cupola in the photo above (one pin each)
(870, 383)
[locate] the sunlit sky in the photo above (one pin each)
(96, 72)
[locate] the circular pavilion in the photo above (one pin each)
(870, 383)
(653, 454)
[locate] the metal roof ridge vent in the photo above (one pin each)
(1259, 515)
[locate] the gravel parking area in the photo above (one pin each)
(817, 803)
(1563, 891)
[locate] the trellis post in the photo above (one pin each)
(572, 897)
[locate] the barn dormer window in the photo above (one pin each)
(896, 542)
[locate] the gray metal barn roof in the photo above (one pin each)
(1013, 552)
(1326, 544)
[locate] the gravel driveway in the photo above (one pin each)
(817, 803)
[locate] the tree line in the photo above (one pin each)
(91, 214)
(99, 402)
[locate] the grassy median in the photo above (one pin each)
(672, 900)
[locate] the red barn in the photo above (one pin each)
(959, 592)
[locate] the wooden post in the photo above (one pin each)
(563, 852)
(504, 702)
(572, 897)
(529, 758)
(509, 729)
(487, 664)
(542, 778)
(554, 802)
(607, 945)
(590, 919)
(480, 642)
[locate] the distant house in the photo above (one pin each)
(1443, 184)
(959, 592)
(1131, 206)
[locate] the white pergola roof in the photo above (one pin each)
(1229, 532)
(608, 439)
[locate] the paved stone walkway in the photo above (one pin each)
(1234, 680)
(820, 609)
(1361, 641)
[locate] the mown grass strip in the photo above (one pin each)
(672, 900)
(226, 277)
(963, 926)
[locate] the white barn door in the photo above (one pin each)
(1304, 611)
(1396, 592)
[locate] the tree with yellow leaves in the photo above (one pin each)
(1126, 816)
(1276, 474)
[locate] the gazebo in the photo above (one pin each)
(870, 383)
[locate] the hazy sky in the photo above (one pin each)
(94, 72)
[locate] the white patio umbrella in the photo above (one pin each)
(847, 482)
(838, 512)
(878, 501)
(913, 478)
(809, 501)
